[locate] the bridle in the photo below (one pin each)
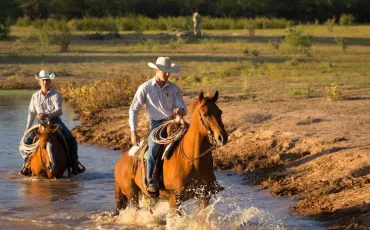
(211, 139)
(211, 136)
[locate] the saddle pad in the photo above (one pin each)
(135, 148)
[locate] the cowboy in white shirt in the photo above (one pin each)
(163, 100)
(47, 104)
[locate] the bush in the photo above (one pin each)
(96, 24)
(113, 92)
(330, 23)
(343, 43)
(4, 28)
(64, 34)
(333, 92)
(346, 19)
(297, 40)
(24, 21)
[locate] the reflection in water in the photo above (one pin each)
(45, 191)
(87, 201)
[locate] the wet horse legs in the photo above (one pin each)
(174, 203)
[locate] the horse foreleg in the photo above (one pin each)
(204, 201)
(121, 200)
(134, 201)
(174, 203)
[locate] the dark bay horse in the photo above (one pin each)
(188, 173)
(50, 158)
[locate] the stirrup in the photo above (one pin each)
(24, 171)
(80, 169)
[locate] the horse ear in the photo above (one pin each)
(201, 96)
(41, 129)
(215, 96)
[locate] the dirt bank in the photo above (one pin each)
(313, 149)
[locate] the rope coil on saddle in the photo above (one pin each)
(24, 149)
(171, 137)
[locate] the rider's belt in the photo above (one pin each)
(166, 119)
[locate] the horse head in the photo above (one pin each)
(210, 118)
(47, 135)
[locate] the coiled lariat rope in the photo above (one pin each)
(24, 149)
(171, 137)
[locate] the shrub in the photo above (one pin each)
(95, 24)
(297, 40)
(343, 43)
(113, 92)
(44, 28)
(24, 21)
(330, 23)
(4, 27)
(346, 19)
(333, 92)
(64, 34)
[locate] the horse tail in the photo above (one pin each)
(121, 199)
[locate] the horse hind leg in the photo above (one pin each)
(121, 200)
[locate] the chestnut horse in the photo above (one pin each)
(50, 158)
(188, 173)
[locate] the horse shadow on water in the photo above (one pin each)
(188, 173)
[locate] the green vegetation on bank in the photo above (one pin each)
(143, 23)
(305, 61)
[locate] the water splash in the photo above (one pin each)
(214, 217)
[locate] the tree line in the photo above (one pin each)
(297, 10)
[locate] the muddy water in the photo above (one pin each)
(87, 201)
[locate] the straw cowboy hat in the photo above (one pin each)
(44, 74)
(164, 65)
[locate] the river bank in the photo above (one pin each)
(312, 149)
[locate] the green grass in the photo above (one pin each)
(269, 70)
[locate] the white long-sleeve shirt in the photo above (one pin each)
(159, 103)
(50, 104)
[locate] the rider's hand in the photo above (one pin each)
(135, 139)
(42, 116)
(179, 112)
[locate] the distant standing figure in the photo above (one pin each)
(196, 23)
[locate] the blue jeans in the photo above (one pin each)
(71, 140)
(153, 149)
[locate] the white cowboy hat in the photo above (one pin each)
(164, 65)
(44, 74)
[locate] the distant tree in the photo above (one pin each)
(8, 9)
(34, 8)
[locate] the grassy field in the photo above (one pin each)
(263, 65)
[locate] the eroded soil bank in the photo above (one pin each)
(313, 149)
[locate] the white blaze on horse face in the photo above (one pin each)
(50, 153)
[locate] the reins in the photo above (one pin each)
(183, 154)
(179, 133)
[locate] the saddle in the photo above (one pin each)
(165, 152)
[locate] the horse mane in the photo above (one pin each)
(42, 135)
(194, 105)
